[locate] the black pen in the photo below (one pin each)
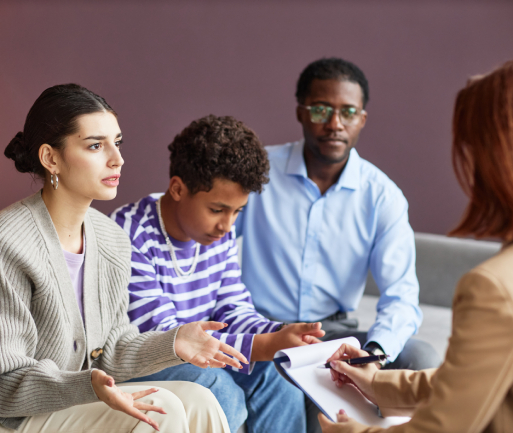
(359, 361)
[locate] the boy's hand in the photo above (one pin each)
(293, 335)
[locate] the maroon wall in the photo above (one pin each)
(161, 64)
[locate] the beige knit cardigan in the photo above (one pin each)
(45, 352)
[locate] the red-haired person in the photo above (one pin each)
(472, 391)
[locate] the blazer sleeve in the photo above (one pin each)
(399, 392)
(466, 391)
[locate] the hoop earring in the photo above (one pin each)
(55, 183)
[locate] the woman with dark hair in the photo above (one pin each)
(65, 336)
(472, 391)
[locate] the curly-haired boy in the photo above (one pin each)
(185, 269)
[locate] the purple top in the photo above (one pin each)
(75, 264)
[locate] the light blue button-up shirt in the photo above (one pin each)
(306, 256)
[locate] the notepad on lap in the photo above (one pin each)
(299, 365)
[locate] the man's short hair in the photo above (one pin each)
(331, 68)
(218, 147)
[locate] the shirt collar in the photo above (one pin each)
(349, 179)
(296, 163)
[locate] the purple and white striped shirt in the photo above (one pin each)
(160, 300)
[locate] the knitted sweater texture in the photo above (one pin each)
(45, 350)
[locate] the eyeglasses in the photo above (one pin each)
(348, 116)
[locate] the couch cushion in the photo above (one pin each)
(441, 261)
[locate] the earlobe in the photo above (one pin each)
(364, 119)
(47, 158)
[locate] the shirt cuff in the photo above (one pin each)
(246, 348)
(240, 342)
(390, 345)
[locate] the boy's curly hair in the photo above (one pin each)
(218, 147)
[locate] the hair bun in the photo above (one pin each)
(17, 151)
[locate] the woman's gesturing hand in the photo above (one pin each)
(116, 399)
(360, 376)
(194, 345)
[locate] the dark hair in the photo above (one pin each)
(218, 147)
(331, 68)
(52, 118)
(482, 154)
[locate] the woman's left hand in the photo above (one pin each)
(114, 397)
(331, 427)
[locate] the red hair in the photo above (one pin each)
(482, 154)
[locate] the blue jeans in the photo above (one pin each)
(263, 399)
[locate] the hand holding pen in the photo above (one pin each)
(359, 361)
(360, 375)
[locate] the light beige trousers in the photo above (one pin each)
(190, 408)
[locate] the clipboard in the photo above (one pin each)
(298, 365)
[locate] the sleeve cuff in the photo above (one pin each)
(390, 400)
(244, 344)
(388, 344)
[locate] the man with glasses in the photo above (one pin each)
(327, 217)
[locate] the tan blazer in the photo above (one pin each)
(472, 391)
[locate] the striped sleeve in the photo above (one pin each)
(150, 308)
(235, 307)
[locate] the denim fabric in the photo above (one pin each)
(263, 399)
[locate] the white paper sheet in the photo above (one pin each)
(317, 383)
